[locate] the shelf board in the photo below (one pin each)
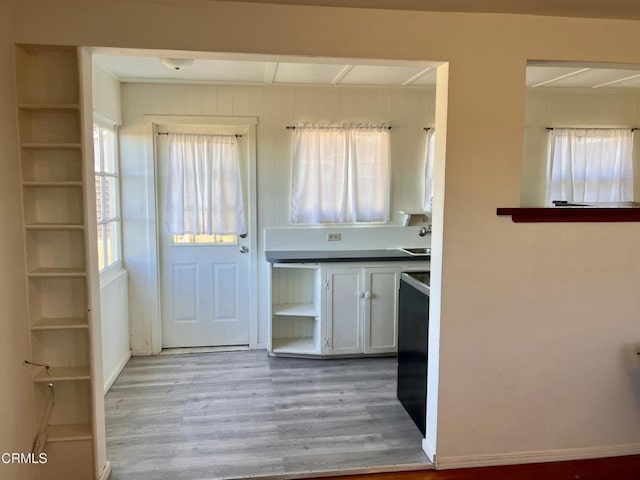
(60, 324)
(54, 226)
(69, 433)
(57, 272)
(295, 310)
(49, 106)
(51, 146)
(305, 345)
(52, 184)
(572, 214)
(60, 374)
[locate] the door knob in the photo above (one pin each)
(243, 249)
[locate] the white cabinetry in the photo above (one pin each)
(361, 310)
(335, 308)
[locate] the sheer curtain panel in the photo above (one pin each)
(204, 189)
(340, 174)
(428, 171)
(590, 165)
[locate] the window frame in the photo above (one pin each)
(109, 270)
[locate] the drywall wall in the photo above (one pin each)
(17, 430)
(538, 323)
(114, 297)
(571, 108)
(275, 107)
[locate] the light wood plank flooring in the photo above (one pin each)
(244, 414)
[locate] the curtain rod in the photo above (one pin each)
(633, 129)
(293, 127)
(223, 134)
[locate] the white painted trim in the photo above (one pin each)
(106, 471)
(429, 450)
(543, 456)
(111, 275)
(116, 373)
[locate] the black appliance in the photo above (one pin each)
(413, 345)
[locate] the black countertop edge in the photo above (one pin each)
(319, 256)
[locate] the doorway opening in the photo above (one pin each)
(247, 392)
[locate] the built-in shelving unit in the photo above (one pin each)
(296, 309)
(55, 232)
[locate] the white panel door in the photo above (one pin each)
(381, 309)
(204, 287)
(344, 312)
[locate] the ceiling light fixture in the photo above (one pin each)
(177, 63)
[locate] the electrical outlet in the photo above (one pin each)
(333, 237)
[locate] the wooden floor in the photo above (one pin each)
(621, 468)
(244, 414)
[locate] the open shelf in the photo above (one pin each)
(49, 106)
(51, 272)
(49, 126)
(51, 145)
(296, 310)
(60, 324)
(55, 251)
(51, 164)
(69, 433)
(56, 204)
(57, 300)
(306, 345)
(62, 374)
(61, 348)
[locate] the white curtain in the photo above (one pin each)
(590, 165)
(340, 174)
(428, 170)
(369, 172)
(204, 186)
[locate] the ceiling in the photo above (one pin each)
(255, 70)
(622, 9)
(562, 76)
(145, 66)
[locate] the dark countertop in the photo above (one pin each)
(307, 256)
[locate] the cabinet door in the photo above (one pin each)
(344, 312)
(381, 309)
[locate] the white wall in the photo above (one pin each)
(17, 425)
(548, 107)
(114, 298)
(407, 109)
(539, 322)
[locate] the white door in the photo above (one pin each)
(204, 286)
(381, 309)
(344, 313)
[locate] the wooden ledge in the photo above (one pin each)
(571, 214)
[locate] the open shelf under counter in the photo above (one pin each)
(300, 345)
(57, 273)
(295, 310)
(62, 374)
(69, 433)
(60, 324)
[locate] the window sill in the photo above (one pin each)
(111, 274)
(629, 213)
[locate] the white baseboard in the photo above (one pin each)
(445, 463)
(106, 471)
(114, 375)
(429, 450)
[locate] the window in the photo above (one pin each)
(340, 175)
(590, 165)
(107, 196)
